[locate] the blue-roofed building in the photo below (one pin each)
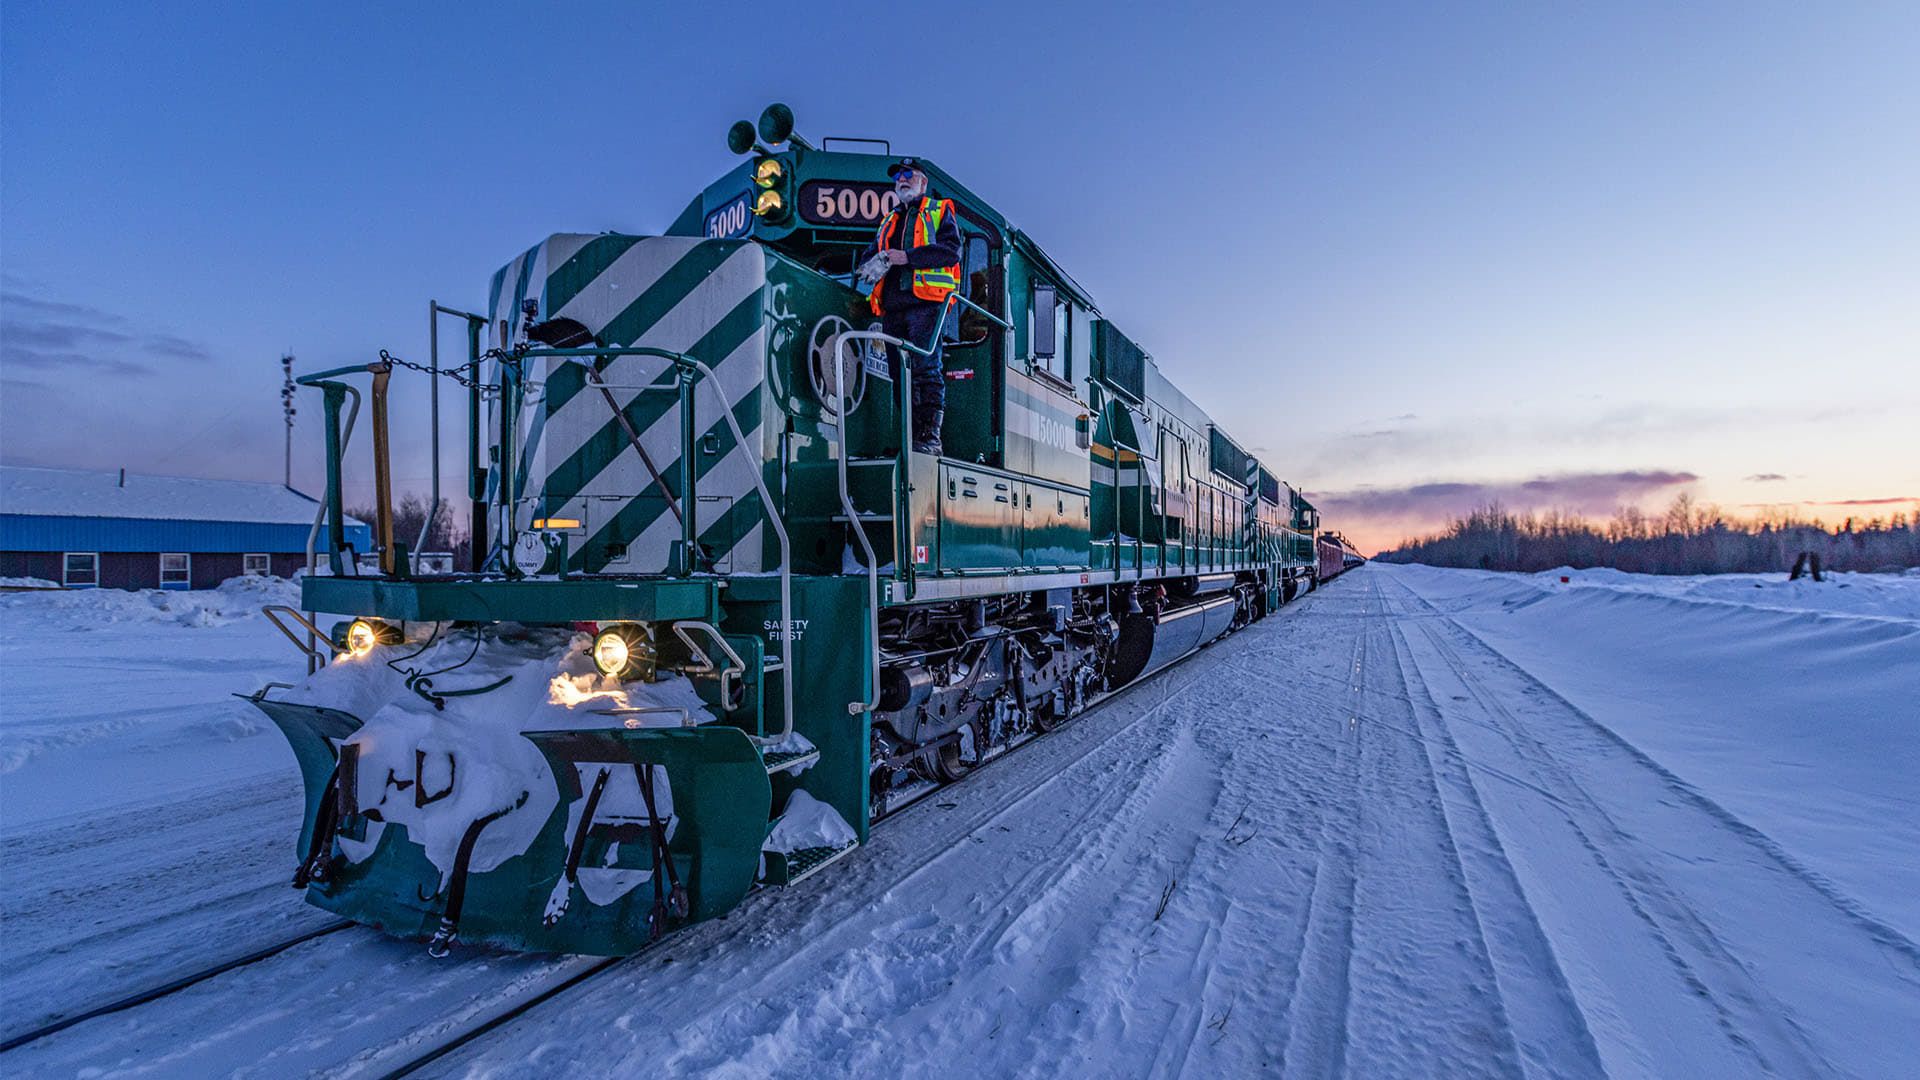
(114, 529)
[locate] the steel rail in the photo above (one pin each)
(601, 966)
(533, 1001)
(168, 988)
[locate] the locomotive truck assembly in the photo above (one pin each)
(723, 618)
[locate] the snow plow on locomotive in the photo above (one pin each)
(725, 617)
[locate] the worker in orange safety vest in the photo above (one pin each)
(920, 239)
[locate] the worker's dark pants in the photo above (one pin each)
(916, 324)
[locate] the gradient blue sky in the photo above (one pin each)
(1419, 255)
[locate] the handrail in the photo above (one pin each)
(690, 364)
(313, 630)
(704, 663)
(842, 410)
(434, 310)
(686, 718)
(336, 457)
(786, 559)
(320, 515)
(903, 527)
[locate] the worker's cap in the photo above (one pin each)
(901, 166)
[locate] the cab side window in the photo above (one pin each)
(1049, 329)
(980, 284)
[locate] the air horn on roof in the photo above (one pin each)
(776, 127)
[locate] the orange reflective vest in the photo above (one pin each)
(935, 284)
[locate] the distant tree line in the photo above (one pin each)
(1689, 538)
(449, 527)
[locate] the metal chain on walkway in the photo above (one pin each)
(454, 372)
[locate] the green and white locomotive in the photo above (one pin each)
(724, 618)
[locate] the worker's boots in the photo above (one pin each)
(926, 431)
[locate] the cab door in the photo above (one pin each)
(974, 362)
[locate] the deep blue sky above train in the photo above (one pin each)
(1417, 255)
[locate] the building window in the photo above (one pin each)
(256, 565)
(176, 570)
(82, 570)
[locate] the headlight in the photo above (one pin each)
(623, 652)
(364, 634)
(769, 202)
(767, 173)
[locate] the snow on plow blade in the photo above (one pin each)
(586, 881)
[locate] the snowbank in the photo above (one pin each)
(1793, 705)
(235, 599)
(1892, 595)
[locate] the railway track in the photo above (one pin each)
(894, 815)
(461, 1031)
(170, 987)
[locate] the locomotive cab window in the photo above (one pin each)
(1048, 322)
(976, 284)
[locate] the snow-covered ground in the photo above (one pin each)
(1422, 822)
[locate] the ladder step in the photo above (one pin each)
(787, 759)
(803, 864)
(842, 518)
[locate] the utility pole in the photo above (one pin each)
(286, 408)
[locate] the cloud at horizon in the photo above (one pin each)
(1377, 518)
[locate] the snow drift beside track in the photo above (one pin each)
(112, 697)
(1792, 705)
(235, 600)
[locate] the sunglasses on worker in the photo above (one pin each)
(903, 174)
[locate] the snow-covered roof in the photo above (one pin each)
(100, 493)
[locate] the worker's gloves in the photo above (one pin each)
(875, 268)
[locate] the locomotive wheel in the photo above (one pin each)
(947, 764)
(1048, 717)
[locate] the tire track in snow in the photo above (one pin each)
(1647, 899)
(1674, 834)
(1315, 1021)
(1241, 914)
(1611, 742)
(1426, 999)
(1047, 914)
(1544, 1020)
